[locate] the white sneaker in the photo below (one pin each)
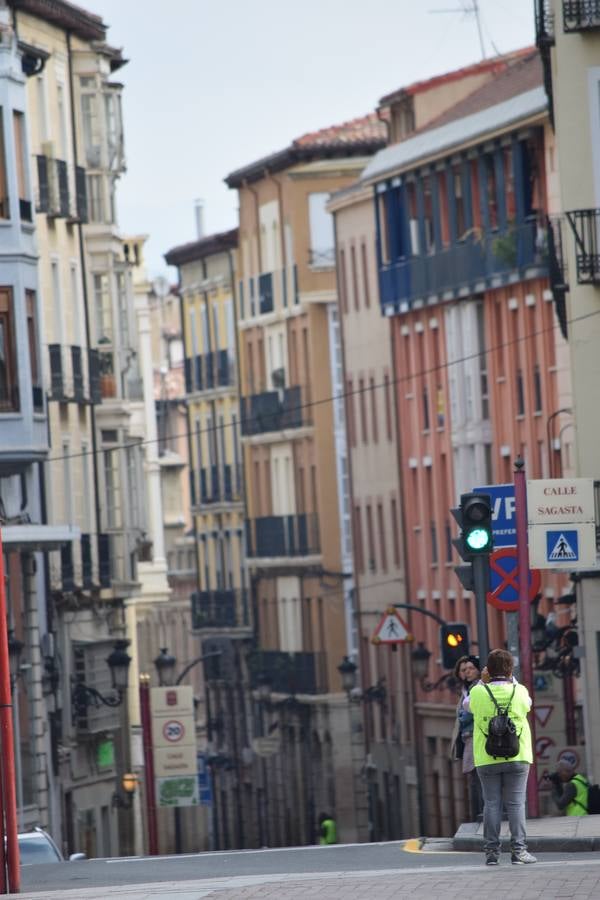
(522, 858)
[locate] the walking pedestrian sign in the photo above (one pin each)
(562, 546)
(391, 629)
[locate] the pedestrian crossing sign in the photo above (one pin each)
(391, 629)
(562, 546)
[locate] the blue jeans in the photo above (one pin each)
(504, 783)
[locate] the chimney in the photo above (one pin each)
(199, 216)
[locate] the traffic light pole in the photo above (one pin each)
(481, 584)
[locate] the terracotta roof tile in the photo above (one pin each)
(496, 64)
(366, 128)
(521, 76)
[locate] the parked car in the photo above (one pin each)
(37, 847)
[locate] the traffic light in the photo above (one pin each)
(454, 643)
(474, 516)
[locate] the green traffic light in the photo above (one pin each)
(478, 539)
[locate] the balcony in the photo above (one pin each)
(274, 537)
(209, 371)
(473, 264)
(217, 485)
(585, 224)
(557, 269)
(289, 673)
(67, 381)
(275, 411)
(54, 196)
(67, 570)
(220, 609)
(581, 15)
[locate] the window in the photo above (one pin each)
(354, 277)
(62, 121)
(520, 394)
(388, 406)
(42, 109)
(363, 410)
(382, 544)
(350, 413)
(91, 138)
(448, 534)
(370, 539)
(4, 206)
(123, 309)
(95, 192)
(459, 204)
(365, 273)
(343, 285)
(358, 541)
(9, 392)
(483, 377)
(395, 532)
(25, 211)
(322, 241)
(491, 189)
(373, 393)
(104, 330)
(426, 422)
(383, 229)
(537, 389)
(112, 488)
(434, 543)
(32, 337)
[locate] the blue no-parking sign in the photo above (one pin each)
(504, 525)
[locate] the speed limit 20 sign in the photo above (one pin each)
(173, 731)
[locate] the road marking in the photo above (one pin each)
(209, 853)
(412, 845)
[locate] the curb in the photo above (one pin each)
(534, 844)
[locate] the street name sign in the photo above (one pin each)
(562, 523)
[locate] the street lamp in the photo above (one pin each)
(420, 657)
(165, 664)
(347, 670)
(118, 661)
(129, 783)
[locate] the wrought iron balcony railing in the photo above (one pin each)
(275, 410)
(218, 484)
(467, 265)
(581, 15)
(289, 673)
(557, 270)
(585, 224)
(220, 609)
(209, 371)
(283, 536)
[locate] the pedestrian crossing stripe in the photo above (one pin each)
(562, 546)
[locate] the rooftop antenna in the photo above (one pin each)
(468, 8)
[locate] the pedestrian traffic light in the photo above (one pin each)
(454, 643)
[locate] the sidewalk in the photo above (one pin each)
(544, 881)
(557, 834)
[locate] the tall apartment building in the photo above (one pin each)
(568, 36)
(463, 258)
(298, 533)
(87, 381)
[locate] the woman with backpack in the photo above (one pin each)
(503, 754)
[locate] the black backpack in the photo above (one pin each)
(593, 799)
(502, 740)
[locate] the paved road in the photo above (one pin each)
(351, 871)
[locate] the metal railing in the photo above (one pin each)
(289, 673)
(463, 266)
(67, 375)
(218, 484)
(275, 410)
(220, 609)
(544, 22)
(207, 372)
(581, 15)
(283, 536)
(585, 224)
(62, 190)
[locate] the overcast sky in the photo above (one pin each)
(212, 85)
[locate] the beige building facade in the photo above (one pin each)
(568, 35)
